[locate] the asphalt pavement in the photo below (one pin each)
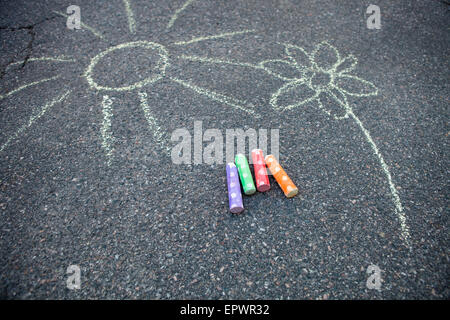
(87, 177)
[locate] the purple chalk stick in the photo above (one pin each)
(234, 189)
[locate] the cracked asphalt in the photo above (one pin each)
(145, 228)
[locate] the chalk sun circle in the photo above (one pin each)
(157, 73)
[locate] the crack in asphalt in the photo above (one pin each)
(28, 48)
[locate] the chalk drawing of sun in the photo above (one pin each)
(156, 52)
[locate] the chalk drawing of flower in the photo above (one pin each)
(323, 77)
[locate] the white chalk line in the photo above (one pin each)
(395, 197)
(106, 131)
(177, 12)
(215, 96)
(33, 118)
(152, 122)
(219, 61)
(26, 86)
(53, 59)
(95, 32)
(213, 37)
(259, 66)
(130, 15)
(284, 88)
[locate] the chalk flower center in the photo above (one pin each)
(320, 79)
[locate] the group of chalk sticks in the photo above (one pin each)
(242, 169)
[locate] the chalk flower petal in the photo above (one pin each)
(339, 96)
(354, 86)
(292, 95)
(282, 69)
(347, 64)
(325, 56)
(299, 56)
(333, 103)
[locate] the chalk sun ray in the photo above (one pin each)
(95, 32)
(53, 59)
(106, 131)
(34, 83)
(177, 12)
(152, 122)
(213, 37)
(130, 16)
(215, 96)
(219, 61)
(259, 66)
(33, 118)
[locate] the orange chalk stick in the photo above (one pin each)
(281, 176)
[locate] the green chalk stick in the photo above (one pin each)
(245, 174)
